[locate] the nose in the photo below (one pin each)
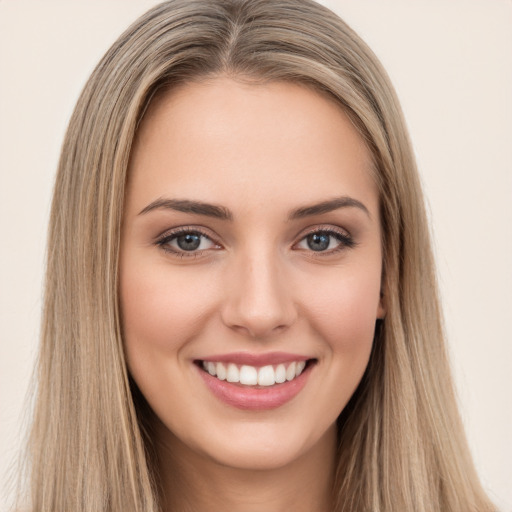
(258, 301)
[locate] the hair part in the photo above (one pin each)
(401, 441)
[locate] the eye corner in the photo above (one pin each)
(193, 247)
(329, 240)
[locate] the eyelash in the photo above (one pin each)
(344, 239)
(168, 237)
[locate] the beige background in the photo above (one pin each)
(451, 62)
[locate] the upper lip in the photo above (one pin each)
(246, 358)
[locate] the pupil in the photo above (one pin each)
(189, 242)
(318, 242)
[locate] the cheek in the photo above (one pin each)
(345, 318)
(161, 310)
(344, 310)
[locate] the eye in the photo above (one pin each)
(326, 240)
(186, 242)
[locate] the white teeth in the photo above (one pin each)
(248, 375)
(266, 376)
(211, 368)
(300, 366)
(290, 372)
(280, 373)
(221, 371)
(251, 376)
(232, 375)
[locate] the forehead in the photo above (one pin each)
(228, 141)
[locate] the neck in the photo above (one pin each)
(194, 482)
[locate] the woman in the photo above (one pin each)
(237, 202)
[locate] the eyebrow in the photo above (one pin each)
(222, 213)
(187, 206)
(328, 206)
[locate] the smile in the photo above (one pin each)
(255, 382)
(247, 375)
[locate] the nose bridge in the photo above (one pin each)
(258, 301)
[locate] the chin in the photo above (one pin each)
(257, 457)
(263, 447)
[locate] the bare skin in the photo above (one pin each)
(195, 483)
(251, 228)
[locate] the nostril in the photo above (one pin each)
(258, 330)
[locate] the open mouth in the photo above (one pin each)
(253, 376)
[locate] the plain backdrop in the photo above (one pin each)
(451, 63)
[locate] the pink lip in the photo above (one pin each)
(257, 360)
(255, 398)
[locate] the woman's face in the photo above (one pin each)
(250, 269)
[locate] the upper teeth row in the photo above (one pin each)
(252, 376)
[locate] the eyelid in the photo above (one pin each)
(327, 228)
(346, 241)
(170, 234)
(184, 229)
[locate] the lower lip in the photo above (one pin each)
(256, 399)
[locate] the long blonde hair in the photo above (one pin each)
(401, 442)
